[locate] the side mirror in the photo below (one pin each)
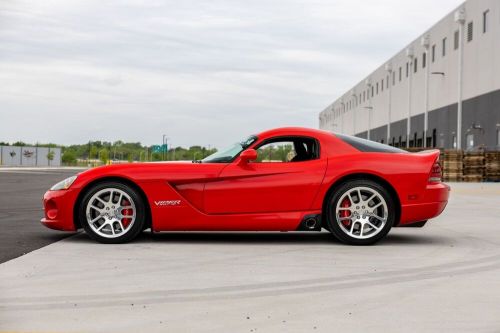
(248, 155)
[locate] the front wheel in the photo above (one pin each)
(360, 212)
(112, 212)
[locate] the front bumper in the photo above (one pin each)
(58, 207)
(432, 203)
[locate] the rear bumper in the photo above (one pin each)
(432, 203)
(58, 208)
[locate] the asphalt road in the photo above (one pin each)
(444, 277)
(21, 194)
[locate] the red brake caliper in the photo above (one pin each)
(127, 212)
(345, 213)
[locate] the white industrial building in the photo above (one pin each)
(444, 87)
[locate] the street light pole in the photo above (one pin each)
(356, 104)
(410, 55)
(342, 116)
(460, 19)
(388, 68)
(426, 43)
(163, 146)
(369, 107)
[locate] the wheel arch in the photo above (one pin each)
(117, 179)
(368, 176)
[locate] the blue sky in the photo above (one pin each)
(201, 72)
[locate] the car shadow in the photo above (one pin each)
(217, 237)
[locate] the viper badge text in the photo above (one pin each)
(167, 203)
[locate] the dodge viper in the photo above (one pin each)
(283, 179)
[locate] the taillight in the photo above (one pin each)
(435, 175)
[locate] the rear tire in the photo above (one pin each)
(112, 213)
(360, 212)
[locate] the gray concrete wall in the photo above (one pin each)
(28, 156)
(11, 155)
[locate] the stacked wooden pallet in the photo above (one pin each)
(474, 166)
(492, 166)
(452, 165)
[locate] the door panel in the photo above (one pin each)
(265, 187)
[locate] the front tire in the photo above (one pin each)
(360, 212)
(112, 213)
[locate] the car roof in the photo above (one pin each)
(293, 131)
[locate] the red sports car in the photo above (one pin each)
(284, 179)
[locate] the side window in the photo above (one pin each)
(287, 150)
(282, 151)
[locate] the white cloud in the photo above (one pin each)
(201, 72)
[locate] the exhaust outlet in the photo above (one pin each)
(310, 223)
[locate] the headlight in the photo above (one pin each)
(64, 184)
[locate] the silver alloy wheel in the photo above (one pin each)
(110, 212)
(361, 212)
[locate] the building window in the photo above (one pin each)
(407, 69)
(400, 73)
(387, 82)
(486, 21)
(456, 39)
(470, 31)
(444, 47)
(469, 141)
(393, 78)
(382, 85)
(377, 89)
(415, 65)
(372, 91)
(433, 52)
(364, 96)
(424, 60)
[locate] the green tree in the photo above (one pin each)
(93, 152)
(69, 157)
(104, 155)
(156, 157)
(50, 156)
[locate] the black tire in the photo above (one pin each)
(334, 224)
(140, 213)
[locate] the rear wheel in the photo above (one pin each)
(112, 212)
(360, 212)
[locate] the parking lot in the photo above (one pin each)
(443, 277)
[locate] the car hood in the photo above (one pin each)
(151, 171)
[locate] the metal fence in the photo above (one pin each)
(30, 156)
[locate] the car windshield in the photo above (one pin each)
(228, 154)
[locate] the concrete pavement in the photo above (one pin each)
(444, 277)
